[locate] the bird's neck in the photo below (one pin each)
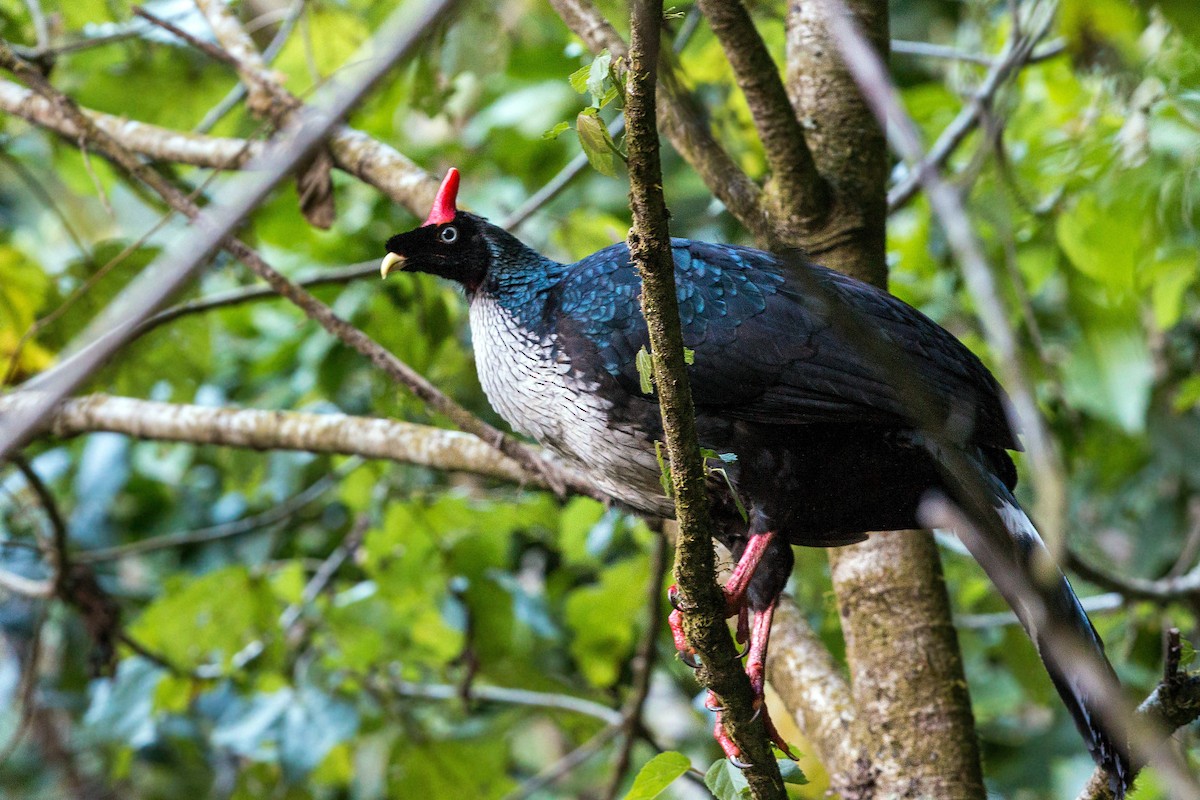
(519, 278)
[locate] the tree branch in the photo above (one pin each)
(1174, 703)
(796, 189)
(846, 142)
(1162, 591)
(404, 442)
(891, 596)
(152, 141)
(808, 679)
(552, 473)
(1018, 52)
(176, 265)
(695, 569)
(353, 151)
(683, 122)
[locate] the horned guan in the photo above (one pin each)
(824, 448)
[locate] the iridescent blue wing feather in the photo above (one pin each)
(766, 352)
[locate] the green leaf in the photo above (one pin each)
(603, 618)
(556, 131)
(598, 79)
(209, 620)
(579, 79)
(1102, 242)
(658, 773)
(1111, 372)
(726, 781)
(1187, 396)
(689, 356)
(596, 141)
(645, 370)
(791, 772)
(664, 469)
(1187, 653)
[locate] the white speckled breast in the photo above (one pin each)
(530, 381)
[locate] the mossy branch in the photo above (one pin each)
(650, 249)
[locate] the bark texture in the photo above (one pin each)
(277, 430)
(848, 146)
(905, 664)
(695, 568)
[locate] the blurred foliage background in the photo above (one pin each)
(1083, 183)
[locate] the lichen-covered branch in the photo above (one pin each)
(314, 308)
(650, 251)
(152, 141)
(1174, 703)
(810, 682)
(405, 442)
(846, 142)
(798, 194)
(354, 152)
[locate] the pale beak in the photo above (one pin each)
(389, 261)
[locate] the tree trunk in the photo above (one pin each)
(916, 729)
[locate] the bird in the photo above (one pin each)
(815, 443)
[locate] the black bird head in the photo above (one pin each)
(450, 244)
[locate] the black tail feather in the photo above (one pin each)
(1060, 629)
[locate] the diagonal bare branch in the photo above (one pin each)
(179, 262)
(796, 188)
(1018, 52)
(683, 122)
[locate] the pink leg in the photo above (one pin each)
(757, 632)
(743, 626)
(686, 653)
(756, 669)
(756, 662)
(735, 587)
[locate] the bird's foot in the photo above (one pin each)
(687, 653)
(725, 741)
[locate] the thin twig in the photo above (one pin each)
(931, 50)
(208, 48)
(250, 294)
(41, 31)
(57, 551)
(290, 618)
(643, 663)
(1017, 53)
(507, 695)
(556, 771)
(1163, 590)
(277, 513)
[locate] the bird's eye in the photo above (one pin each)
(449, 234)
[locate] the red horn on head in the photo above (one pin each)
(443, 205)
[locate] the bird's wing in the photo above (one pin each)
(766, 351)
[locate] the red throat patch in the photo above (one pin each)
(444, 208)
